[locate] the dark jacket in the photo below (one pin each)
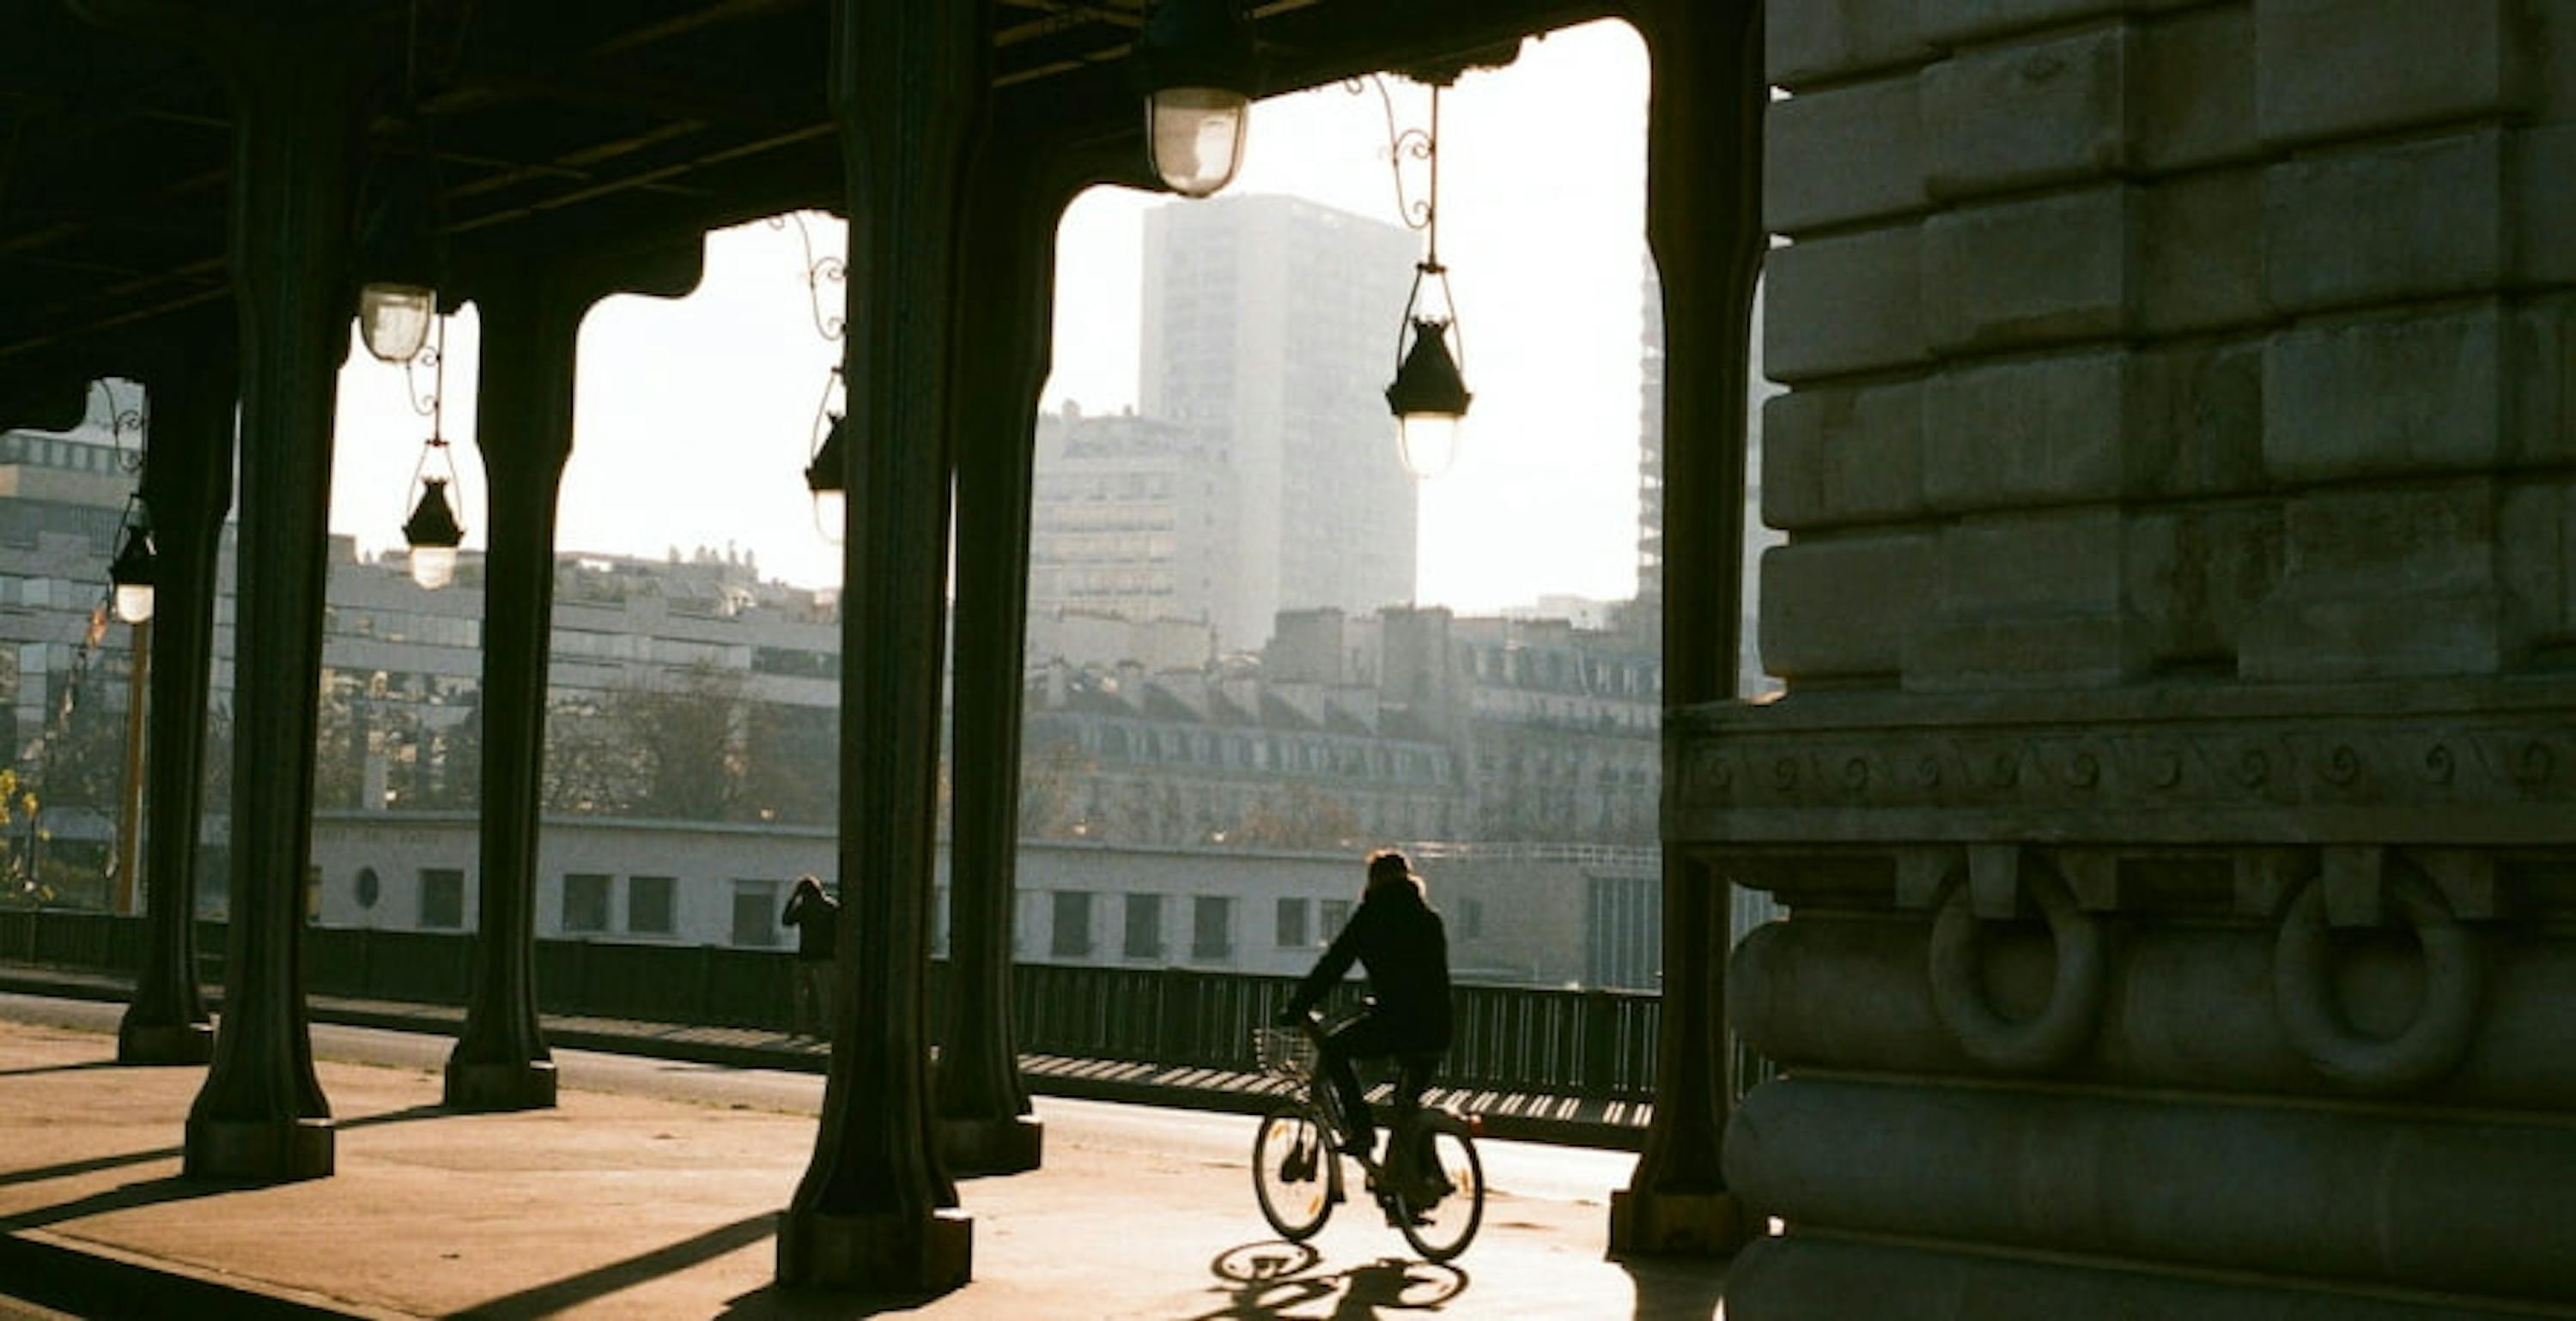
(1399, 938)
(817, 921)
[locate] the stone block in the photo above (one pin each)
(2338, 68)
(2383, 583)
(1845, 155)
(2553, 48)
(2048, 431)
(2536, 559)
(1811, 41)
(2303, 639)
(1840, 608)
(1837, 457)
(2029, 601)
(2020, 116)
(1953, 22)
(2384, 398)
(2194, 90)
(2029, 273)
(1850, 303)
(2543, 197)
(2196, 575)
(2202, 401)
(2201, 261)
(2392, 541)
(2542, 358)
(2418, 219)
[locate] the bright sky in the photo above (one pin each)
(694, 416)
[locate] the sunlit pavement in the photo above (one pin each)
(652, 1191)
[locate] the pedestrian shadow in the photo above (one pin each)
(617, 1276)
(1278, 1281)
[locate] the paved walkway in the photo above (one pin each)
(615, 1205)
(1576, 1121)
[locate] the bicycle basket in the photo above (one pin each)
(1284, 1052)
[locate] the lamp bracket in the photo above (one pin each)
(825, 274)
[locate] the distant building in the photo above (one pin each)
(1269, 328)
(1130, 517)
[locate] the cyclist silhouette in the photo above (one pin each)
(1399, 938)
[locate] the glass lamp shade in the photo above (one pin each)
(394, 319)
(1427, 442)
(134, 602)
(131, 572)
(831, 515)
(433, 567)
(1197, 137)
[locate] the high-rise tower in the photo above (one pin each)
(1269, 328)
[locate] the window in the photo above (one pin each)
(1337, 914)
(1212, 927)
(1144, 926)
(755, 913)
(649, 907)
(1292, 923)
(1473, 923)
(1072, 932)
(585, 902)
(442, 899)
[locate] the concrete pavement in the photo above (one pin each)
(643, 1206)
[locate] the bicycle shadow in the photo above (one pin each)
(1279, 1281)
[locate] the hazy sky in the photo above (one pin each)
(694, 416)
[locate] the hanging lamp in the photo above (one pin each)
(132, 573)
(432, 531)
(1429, 395)
(1199, 68)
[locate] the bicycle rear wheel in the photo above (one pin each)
(1443, 1202)
(1290, 1175)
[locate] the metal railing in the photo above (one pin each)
(1591, 1043)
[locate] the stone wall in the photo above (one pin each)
(2176, 788)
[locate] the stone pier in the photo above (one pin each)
(2175, 794)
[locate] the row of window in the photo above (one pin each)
(1350, 758)
(1211, 925)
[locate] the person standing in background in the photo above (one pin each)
(818, 927)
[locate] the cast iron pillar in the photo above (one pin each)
(187, 486)
(1704, 221)
(532, 310)
(261, 1115)
(1005, 335)
(910, 89)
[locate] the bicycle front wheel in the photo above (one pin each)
(1291, 1174)
(1443, 1203)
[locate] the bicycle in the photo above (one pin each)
(1431, 1186)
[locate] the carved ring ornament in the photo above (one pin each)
(2303, 997)
(2063, 1025)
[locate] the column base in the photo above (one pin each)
(259, 1150)
(164, 1043)
(489, 1088)
(969, 1147)
(876, 1253)
(1652, 1224)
